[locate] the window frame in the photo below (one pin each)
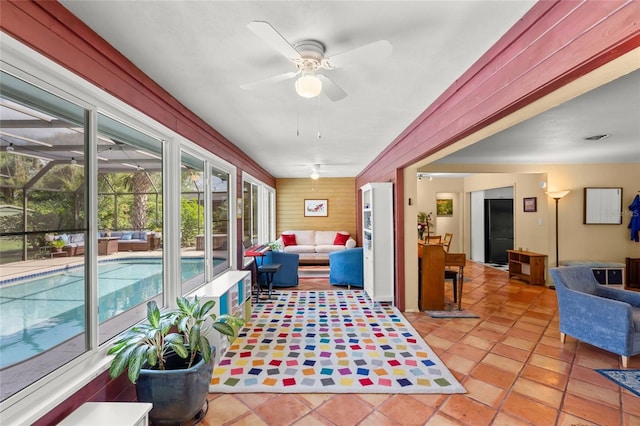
(36, 399)
(266, 211)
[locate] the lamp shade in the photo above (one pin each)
(557, 194)
(308, 86)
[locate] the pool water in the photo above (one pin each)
(38, 314)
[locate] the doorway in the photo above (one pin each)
(498, 226)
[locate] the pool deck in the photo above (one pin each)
(30, 267)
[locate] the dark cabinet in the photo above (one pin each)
(632, 272)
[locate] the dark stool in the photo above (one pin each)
(268, 270)
(453, 275)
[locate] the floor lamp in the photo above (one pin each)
(557, 196)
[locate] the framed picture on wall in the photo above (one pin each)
(530, 204)
(316, 207)
(444, 207)
(603, 206)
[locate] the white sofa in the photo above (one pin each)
(316, 243)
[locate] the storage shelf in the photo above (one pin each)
(377, 231)
(527, 266)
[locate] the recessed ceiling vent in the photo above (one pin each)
(597, 137)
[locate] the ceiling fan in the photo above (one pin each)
(309, 58)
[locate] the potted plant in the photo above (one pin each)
(57, 244)
(424, 224)
(169, 357)
(274, 246)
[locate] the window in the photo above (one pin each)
(80, 167)
(250, 213)
(42, 177)
(192, 218)
(220, 218)
(258, 217)
(129, 220)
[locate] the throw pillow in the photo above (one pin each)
(341, 239)
(289, 239)
(126, 236)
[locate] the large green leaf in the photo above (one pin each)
(224, 328)
(208, 305)
(153, 313)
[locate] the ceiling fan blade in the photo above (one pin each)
(372, 51)
(270, 80)
(331, 89)
(265, 31)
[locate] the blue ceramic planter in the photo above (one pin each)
(176, 394)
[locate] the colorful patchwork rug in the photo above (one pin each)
(330, 342)
(628, 379)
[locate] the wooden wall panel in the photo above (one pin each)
(341, 196)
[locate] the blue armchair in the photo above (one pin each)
(287, 276)
(608, 318)
(346, 267)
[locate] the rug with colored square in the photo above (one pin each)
(330, 342)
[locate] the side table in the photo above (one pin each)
(107, 245)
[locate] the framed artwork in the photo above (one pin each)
(444, 207)
(530, 204)
(316, 207)
(602, 206)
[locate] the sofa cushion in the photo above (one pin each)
(289, 240)
(300, 249)
(340, 239)
(324, 238)
(139, 235)
(76, 238)
(305, 238)
(328, 248)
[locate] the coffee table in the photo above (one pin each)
(314, 259)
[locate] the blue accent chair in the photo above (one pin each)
(608, 318)
(346, 267)
(287, 276)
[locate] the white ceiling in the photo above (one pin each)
(202, 51)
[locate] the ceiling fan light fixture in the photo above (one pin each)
(315, 173)
(308, 86)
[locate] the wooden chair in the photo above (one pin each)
(446, 243)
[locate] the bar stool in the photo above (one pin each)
(268, 270)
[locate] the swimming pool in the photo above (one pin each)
(40, 313)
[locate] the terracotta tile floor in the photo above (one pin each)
(510, 360)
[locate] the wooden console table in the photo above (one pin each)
(527, 266)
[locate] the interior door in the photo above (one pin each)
(498, 214)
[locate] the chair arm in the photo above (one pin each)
(630, 297)
(583, 310)
(351, 243)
